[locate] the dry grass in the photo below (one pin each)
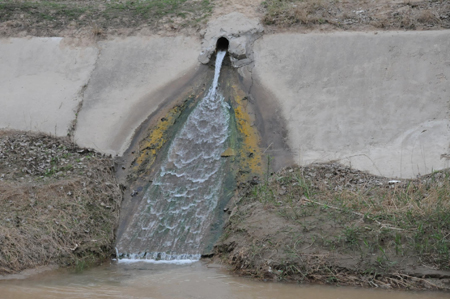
(53, 18)
(333, 224)
(357, 14)
(418, 197)
(428, 16)
(55, 214)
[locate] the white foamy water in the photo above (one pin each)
(133, 260)
(176, 210)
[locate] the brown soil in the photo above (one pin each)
(59, 203)
(327, 223)
(250, 8)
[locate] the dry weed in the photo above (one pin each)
(52, 213)
(357, 14)
(428, 17)
(333, 224)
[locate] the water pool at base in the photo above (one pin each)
(159, 281)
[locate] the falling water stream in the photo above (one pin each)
(177, 209)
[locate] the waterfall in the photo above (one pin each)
(176, 210)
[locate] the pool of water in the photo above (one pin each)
(197, 280)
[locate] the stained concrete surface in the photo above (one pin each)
(132, 78)
(40, 83)
(376, 101)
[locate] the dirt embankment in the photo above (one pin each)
(98, 19)
(59, 203)
(327, 223)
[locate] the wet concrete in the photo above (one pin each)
(176, 211)
(149, 147)
(136, 170)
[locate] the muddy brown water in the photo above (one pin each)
(197, 280)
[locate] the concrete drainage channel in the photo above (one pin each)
(388, 116)
(375, 102)
(236, 158)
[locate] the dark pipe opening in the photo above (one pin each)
(222, 44)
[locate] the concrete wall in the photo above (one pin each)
(125, 87)
(40, 83)
(378, 102)
(118, 82)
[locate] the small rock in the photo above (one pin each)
(394, 182)
(254, 180)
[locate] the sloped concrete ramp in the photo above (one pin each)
(379, 102)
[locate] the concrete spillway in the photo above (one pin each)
(377, 102)
(177, 209)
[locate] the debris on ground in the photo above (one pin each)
(60, 203)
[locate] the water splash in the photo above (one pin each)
(177, 209)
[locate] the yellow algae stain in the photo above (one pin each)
(155, 139)
(246, 152)
(249, 150)
(228, 152)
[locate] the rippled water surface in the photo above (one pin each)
(177, 209)
(142, 280)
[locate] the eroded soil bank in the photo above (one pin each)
(59, 203)
(331, 224)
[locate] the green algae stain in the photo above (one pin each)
(243, 156)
